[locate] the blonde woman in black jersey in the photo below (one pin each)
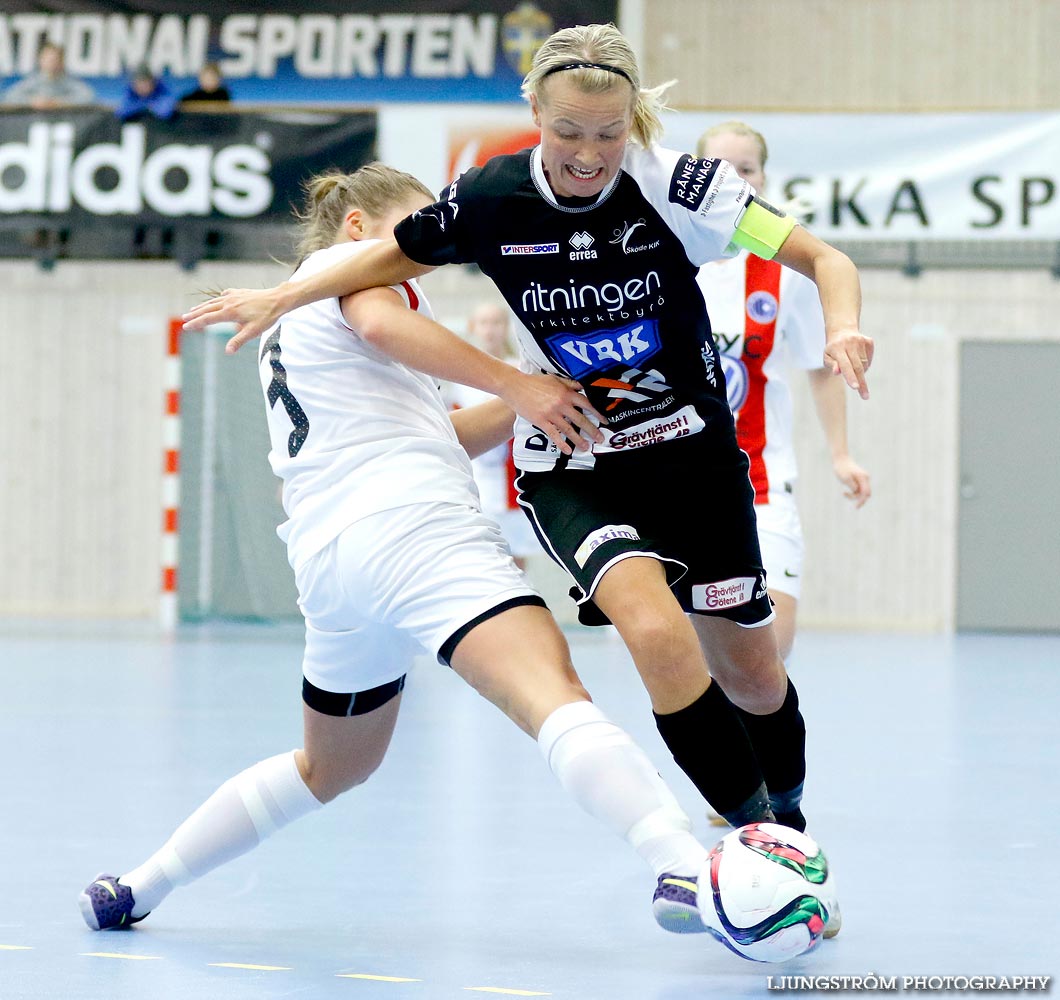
(594, 238)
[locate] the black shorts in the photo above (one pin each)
(680, 502)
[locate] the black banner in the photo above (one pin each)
(84, 174)
(334, 51)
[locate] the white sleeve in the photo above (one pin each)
(410, 291)
(701, 200)
(802, 321)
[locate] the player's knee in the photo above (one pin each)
(327, 780)
(661, 644)
(529, 703)
(757, 685)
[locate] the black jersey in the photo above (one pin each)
(604, 292)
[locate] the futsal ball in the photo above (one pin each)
(766, 892)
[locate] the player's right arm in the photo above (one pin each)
(254, 311)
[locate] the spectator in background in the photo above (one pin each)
(494, 470)
(211, 86)
(49, 86)
(146, 96)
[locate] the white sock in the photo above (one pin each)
(612, 779)
(237, 817)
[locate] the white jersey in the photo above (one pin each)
(353, 432)
(765, 319)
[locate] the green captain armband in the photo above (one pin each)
(762, 229)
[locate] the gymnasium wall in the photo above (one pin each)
(855, 55)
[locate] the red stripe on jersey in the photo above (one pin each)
(414, 300)
(761, 276)
(513, 493)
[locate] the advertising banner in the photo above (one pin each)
(83, 170)
(326, 51)
(955, 176)
(967, 176)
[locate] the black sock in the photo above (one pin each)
(779, 742)
(709, 743)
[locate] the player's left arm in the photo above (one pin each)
(555, 406)
(829, 399)
(482, 427)
(848, 352)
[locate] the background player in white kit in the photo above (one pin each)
(392, 556)
(489, 329)
(765, 319)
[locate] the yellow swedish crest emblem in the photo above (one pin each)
(523, 31)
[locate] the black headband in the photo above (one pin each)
(588, 65)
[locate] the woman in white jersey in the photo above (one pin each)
(766, 319)
(393, 557)
(594, 238)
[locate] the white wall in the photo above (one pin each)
(81, 454)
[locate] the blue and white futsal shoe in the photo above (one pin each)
(107, 904)
(674, 905)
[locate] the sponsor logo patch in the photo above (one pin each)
(608, 533)
(680, 424)
(632, 386)
(604, 348)
(512, 249)
(723, 594)
(691, 181)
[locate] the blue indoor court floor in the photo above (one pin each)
(461, 869)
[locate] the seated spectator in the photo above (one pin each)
(211, 86)
(146, 96)
(50, 86)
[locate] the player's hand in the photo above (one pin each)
(253, 312)
(854, 478)
(849, 353)
(557, 407)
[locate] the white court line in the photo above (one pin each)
(507, 992)
(128, 958)
(242, 965)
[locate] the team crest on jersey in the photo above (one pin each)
(736, 382)
(605, 348)
(762, 307)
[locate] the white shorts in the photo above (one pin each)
(780, 538)
(492, 486)
(396, 584)
(518, 533)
